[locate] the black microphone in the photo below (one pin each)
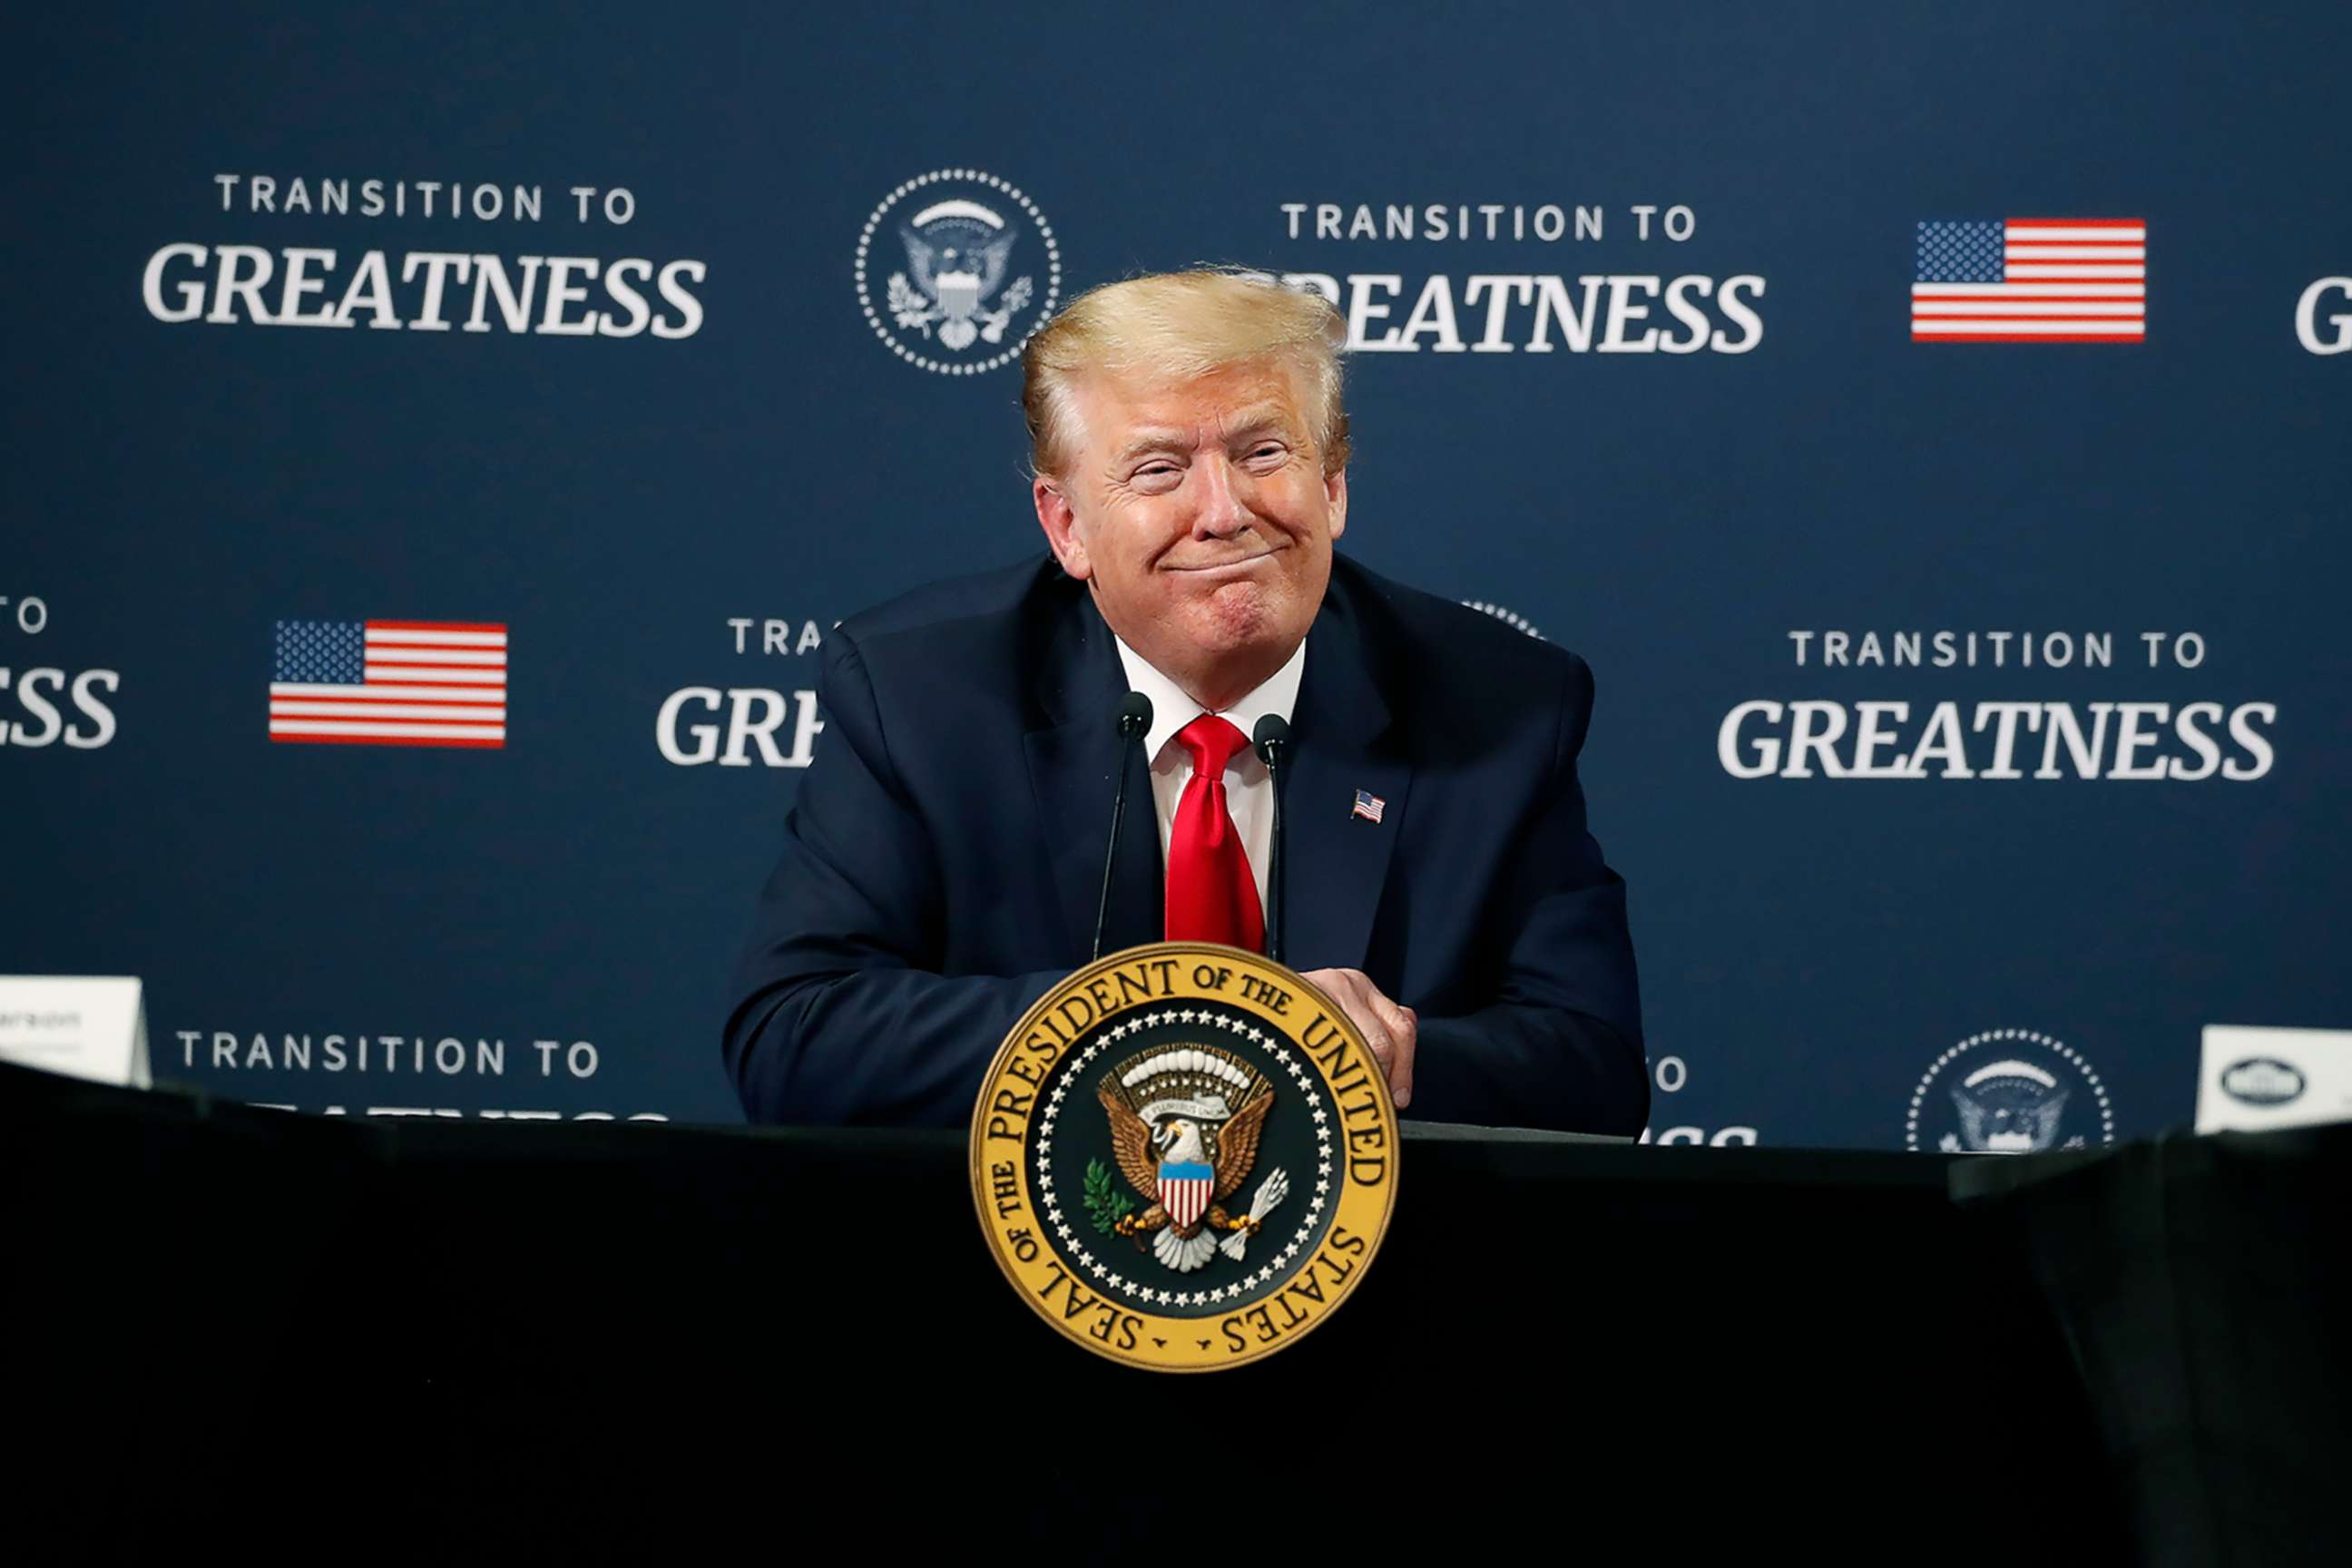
(1272, 744)
(1134, 719)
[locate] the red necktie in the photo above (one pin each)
(1212, 895)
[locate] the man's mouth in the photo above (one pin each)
(1238, 564)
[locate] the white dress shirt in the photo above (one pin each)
(1249, 794)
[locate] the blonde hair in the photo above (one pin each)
(1180, 325)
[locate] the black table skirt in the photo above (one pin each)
(502, 1329)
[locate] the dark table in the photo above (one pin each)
(503, 1329)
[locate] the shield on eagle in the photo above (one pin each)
(1185, 1191)
(957, 294)
(958, 298)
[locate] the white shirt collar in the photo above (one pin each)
(1171, 710)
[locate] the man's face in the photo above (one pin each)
(1200, 513)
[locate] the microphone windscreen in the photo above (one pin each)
(1134, 715)
(1271, 736)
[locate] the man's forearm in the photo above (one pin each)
(883, 1046)
(1518, 1065)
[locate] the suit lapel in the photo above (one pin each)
(1072, 763)
(1338, 862)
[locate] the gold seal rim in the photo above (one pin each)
(1384, 1196)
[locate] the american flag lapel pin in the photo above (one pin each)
(1368, 806)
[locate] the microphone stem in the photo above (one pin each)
(1110, 849)
(1274, 773)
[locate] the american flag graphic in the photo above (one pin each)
(389, 683)
(1368, 806)
(2032, 280)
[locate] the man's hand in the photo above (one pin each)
(1390, 1030)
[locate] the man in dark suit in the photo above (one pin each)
(943, 862)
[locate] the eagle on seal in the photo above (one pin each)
(1185, 1146)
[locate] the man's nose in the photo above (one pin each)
(1224, 510)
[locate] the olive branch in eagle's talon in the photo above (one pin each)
(1107, 1207)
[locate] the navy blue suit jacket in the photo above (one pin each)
(942, 863)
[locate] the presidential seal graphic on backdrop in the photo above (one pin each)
(956, 270)
(1184, 1157)
(1509, 618)
(2009, 1091)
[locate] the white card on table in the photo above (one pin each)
(90, 1025)
(2252, 1078)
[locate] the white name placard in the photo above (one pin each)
(90, 1025)
(2253, 1079)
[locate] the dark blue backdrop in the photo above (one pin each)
(1811, 948)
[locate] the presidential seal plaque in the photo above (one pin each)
(1184, 1157)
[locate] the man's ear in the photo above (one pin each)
(1061, 526)
(1335, 492)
